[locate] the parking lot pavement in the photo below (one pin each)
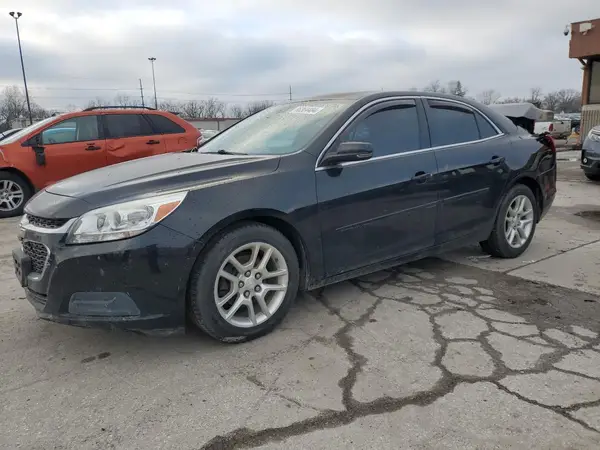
(456, 354)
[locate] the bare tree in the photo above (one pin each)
(551, 101)
(126, 100)
(435, 86)
(12, 106)
(456, 88)
(535, 96)
(214, 108)
(97, 102)
(236, 111)
(489, 96)
(193, 109)
(569, 100)
(171, 106)
(257, 106)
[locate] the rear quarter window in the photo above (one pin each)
(451, 123)
(164, 125)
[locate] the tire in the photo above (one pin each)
(592, 176)
(206, 284)
(498, 244)
(11, 182)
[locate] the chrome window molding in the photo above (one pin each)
(346, 124)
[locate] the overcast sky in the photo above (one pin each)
(240, 50)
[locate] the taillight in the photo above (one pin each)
(551, 144)
(551, 127)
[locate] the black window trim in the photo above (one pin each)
(149, 120)
(107, 134)
(40, 133)
(417, 98)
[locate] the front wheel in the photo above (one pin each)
(244, 284)
(515, 224)
(14, 194)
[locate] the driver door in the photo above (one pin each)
(71, 147)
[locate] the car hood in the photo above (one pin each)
(152, 175)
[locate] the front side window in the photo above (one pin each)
(450, 123)
(76, 129)
(278, 130)
(127, 125)
(391, 130)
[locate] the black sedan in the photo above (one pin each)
(297, 196)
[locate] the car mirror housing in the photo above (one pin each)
(348, 152)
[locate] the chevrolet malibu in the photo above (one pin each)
(295, 197)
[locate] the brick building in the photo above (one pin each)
(585, 46)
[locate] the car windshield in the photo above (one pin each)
(27, 130)
(277, 130)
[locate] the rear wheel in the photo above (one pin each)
(515, 224)
(592, 176)
(245, 283)
(14, 194)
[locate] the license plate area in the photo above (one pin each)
(22, 265)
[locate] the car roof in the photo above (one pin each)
(361, 98)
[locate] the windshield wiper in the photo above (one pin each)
(225, 152)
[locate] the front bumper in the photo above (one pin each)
(135, 284)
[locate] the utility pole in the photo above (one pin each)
(16, 15)
(142, 92)
(152, 59)
(290, 92)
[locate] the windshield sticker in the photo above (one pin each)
(307, 110)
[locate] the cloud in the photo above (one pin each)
(253, 49)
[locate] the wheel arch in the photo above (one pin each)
(20, 174)
(535, 187)
(273, 218)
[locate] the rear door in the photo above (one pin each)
(175, 137)
(72, 146)
(381, 208)
(472, 171)
(130, 136)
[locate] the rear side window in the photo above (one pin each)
(391, 130)
(76, 129)
(164, 125)
(450, 123)
(486, 129)
(127, 125)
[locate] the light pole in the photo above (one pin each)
(16, 15)
(152, 59)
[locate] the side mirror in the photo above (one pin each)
(348, 152)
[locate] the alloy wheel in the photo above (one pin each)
(518, 222)
(251, 284)
(11, 195)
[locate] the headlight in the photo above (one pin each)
(594, 134)
(123, 220)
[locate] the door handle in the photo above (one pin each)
(91, 147)
(496, 160)
(152, 142)
(421, 177)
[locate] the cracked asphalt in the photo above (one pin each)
(464, 352)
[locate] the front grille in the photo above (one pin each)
(46, 223)
(38, 254)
